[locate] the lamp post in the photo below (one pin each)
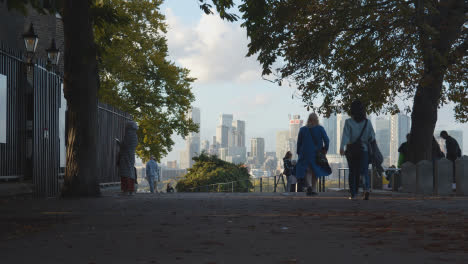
(53, 54)
(30, 42)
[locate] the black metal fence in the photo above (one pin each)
(32, 147)
(12, 151)
(111, 126)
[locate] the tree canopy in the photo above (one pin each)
(209, 169)
(374, 50)
(137, 77)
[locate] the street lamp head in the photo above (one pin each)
(30, 40)
(53, 53)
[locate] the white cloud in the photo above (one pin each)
(213, 50)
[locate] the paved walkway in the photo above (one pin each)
(234, 228)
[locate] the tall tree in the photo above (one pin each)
(81, 81)
(137, 76)
(375, 50)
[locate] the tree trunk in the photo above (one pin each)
(435, 47)
(424, 115)
(80, 90)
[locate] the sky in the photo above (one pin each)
(229, 82)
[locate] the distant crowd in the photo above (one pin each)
(358, 145)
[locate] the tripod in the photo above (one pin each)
(280, 178)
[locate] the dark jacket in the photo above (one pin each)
(453, 149)
(288, 167)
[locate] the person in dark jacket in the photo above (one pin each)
(453, 149)
(403, 152)
(437, 154)
(289, 172)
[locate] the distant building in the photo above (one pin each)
(331, 128)
(400, 126)
(171, 173)
(222, 136)
(192, 142)
(205, 146)
(258, 173)
(172, 164)
(258, 149)
(382, 136)
(340, 122)
(282, 144)
(238, 133)
(223, 153)
(226, 120)
(295, 123)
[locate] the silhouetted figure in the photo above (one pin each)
(127, 159)
(453, 149)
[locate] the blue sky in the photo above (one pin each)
(228, 82)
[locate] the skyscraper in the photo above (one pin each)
(205, 146)
(238, 131)
(295, 123)
(225, 120)
(222, 136)
(223, 130)
(282, 144)
(331, 128)
(400, 126)
(382, 135)
(258, 150)
(340, 122)
(192, 143)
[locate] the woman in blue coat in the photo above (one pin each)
(311, 138)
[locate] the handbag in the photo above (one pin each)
(320, 157)
(355, 149)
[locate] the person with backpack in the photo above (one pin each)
(312, 146)
(453, 149)
(288, 172)
(357, 135)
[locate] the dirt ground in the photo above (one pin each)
(234, 228)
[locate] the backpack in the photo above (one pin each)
(354, 150)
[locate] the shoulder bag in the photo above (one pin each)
(320, 157)
(354, 150)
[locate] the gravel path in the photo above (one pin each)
(234, 228)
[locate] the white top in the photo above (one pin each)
(352, 130)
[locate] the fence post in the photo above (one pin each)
(275, 184)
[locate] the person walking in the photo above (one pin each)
(127, 159)
(152, 174)
(453, 149)
(288, 172)
(358, 133)
(312, 139)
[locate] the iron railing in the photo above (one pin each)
(275, 183)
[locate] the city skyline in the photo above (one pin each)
(397, 125)
(237, 87)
